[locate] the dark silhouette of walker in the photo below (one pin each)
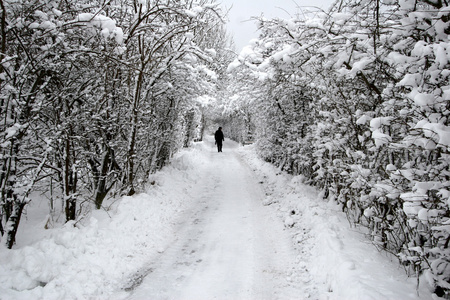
(218, 136)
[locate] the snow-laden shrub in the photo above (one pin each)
(375, 131)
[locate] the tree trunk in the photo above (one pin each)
(70, 182)
(13, 223)
(130, 159)
(203, 125)
(133, 132)
(101, 178)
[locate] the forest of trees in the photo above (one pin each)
(356, 99)
(96, 95)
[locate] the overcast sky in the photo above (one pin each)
(242, 10)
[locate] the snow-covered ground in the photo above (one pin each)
(212, 226)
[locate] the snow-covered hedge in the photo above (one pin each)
(357, 100)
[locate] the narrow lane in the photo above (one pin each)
(229, 246)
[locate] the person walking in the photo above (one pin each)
(218, 136)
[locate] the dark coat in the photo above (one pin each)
(218, 136)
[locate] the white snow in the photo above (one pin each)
(212, 52)
(57, 12)
(441, 131)
(40, 14)
(376, 123)
(406, 4)
(33, 25)
(233, 65)
(205, 100)
(248, 54)
(380, 138)
(12, 131)
(210, 226)
(422, 48)
(47, 25)
(360, 65)
(190, 13)
(423, 99)
(106, 25)
(363, 119)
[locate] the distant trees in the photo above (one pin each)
(356, 100)
(96, 95)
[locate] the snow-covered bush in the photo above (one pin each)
(356, 100)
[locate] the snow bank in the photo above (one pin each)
(338, 261)
(96, 258)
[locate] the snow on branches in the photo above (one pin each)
(357, 100)
(97, 95)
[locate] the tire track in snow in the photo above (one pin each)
(229, 246)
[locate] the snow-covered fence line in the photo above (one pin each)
(356, 100)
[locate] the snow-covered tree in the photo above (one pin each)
(95, 96)
(355, 100)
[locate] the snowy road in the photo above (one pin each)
(229, 246)
(200, 231)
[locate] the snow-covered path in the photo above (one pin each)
(210, 226)
(228, 246)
